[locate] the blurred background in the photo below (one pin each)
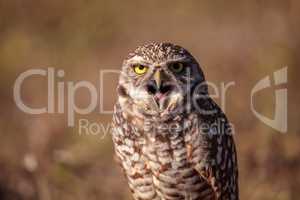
(241, 41)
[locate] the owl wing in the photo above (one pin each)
(128, 154)
(211, 150)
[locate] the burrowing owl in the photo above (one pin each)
(171, 139)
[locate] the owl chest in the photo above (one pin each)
(165, 154)
(168, 161)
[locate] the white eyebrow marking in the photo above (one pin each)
(138, 60)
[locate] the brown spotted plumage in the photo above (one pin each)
(171, 139)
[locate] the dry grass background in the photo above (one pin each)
(240, 41)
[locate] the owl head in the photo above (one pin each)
(157, 78)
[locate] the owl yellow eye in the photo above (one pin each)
(177, 67)
(140, 69)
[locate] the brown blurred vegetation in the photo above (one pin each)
(240, 41)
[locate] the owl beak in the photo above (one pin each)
(157, 78)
